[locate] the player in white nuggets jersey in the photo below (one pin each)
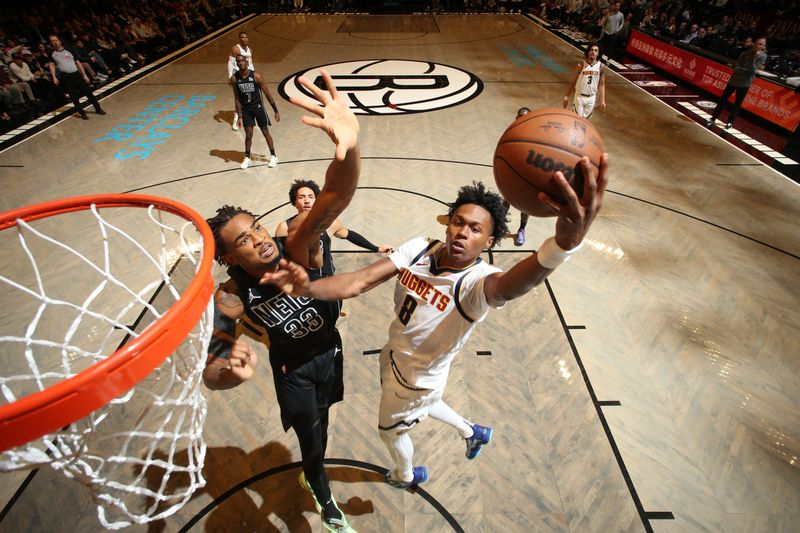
(589, 82)
(241, 48)
(443, 290)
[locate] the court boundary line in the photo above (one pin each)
(645, 516)
(449, 518)
(637, 502)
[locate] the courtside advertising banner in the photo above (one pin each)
(769, 100)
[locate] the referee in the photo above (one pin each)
(73, 80)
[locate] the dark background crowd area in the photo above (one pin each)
(112, 39)
(723, 29)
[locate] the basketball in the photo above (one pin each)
(534, 147)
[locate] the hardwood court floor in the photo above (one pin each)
(669, 344)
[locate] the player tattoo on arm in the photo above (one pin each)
(326, 219)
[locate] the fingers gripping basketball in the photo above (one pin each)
(534, 148)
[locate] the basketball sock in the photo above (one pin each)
(401, 448)
(329, 510)
(247, 154)
(318, 482)
(272, 151)
(444, 413)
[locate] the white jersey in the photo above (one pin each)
(588, 79)
(437, 309)
(247, 53)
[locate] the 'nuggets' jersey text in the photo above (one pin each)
(437, 308)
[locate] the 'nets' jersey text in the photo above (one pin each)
(298, 328)
(248, 90)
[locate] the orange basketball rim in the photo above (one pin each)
(51, 409)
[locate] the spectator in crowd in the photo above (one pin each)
(43, 86)
(611, 26)
(22, 73)
(683, 30)
(40, 56)
(700, 40)
(80, 54)
(12, 47)
(724, 28)
(15, 87)
(693, 32)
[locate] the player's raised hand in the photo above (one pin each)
(575, 217)
(334, 117)
(290, 277)
(242, 360)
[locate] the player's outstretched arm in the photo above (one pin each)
(293, 279)
(574, 219)
(337, 120)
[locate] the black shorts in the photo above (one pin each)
(316, 384)
(251, 116)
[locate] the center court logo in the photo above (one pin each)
(392, 86)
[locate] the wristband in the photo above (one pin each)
(550, 254)
(359, 240)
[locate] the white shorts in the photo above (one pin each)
(583, 105)
(402, 405)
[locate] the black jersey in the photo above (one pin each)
(328, 268)
(299, 328)
(248, 90)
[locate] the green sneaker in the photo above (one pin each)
(334, 525)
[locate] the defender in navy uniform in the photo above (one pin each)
(304, 345)
(247, 87)
(302, 195)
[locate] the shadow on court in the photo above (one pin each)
(271, 501)
(235, 156)
(225, 117)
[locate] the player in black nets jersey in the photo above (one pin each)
(302, 195)
(247, 87)
(304, 346)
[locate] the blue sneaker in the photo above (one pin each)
(481, 436)
(519, 240)
(420, 475)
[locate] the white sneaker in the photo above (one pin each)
(273, 161)
(235, 125)
(245, 163)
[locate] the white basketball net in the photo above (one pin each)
(71, 298)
